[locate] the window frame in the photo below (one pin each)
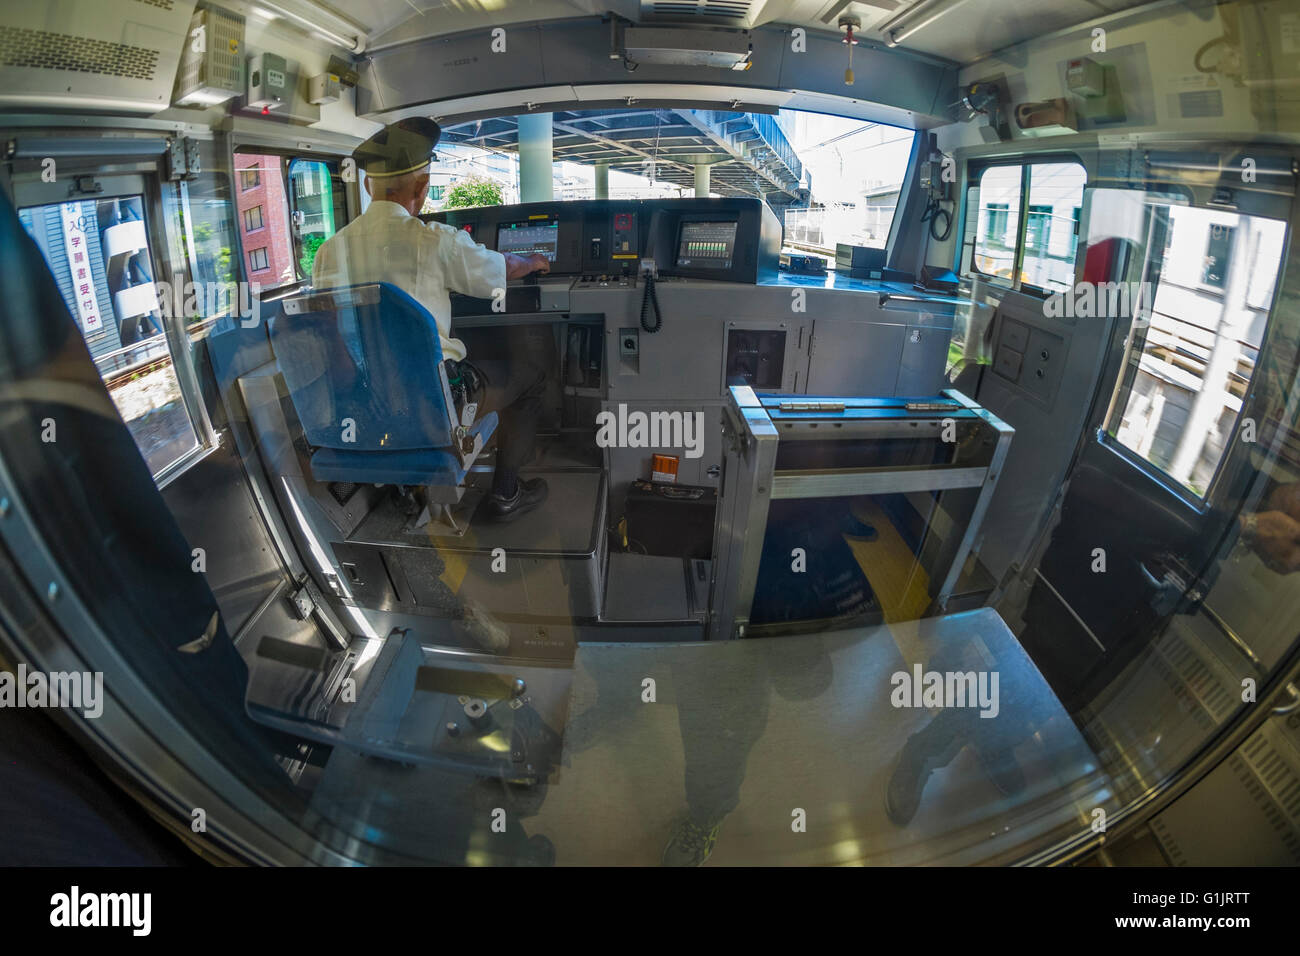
(261, 219)
(974, 176)
(266, 260)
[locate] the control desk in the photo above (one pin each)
(603, 245)
(729, 240)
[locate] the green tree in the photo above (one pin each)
(474, 191)
(310, 243)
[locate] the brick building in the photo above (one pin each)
(263, 220)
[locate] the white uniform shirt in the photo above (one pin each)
(428, 261)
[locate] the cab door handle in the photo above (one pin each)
(1283, 709)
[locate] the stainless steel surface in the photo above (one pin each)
(750, 455)
(215, 510)
(976, 521)
(749, 734)
(832, 484)
(752, 441)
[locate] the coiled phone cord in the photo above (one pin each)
(650, 298)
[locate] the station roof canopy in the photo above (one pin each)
(748, 153)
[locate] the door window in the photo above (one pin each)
(98, 251)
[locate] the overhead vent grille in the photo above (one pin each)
(41, 49)
(714, 9)
(115, 55)
(682, 46)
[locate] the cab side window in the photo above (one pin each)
(264, 226)
(101, 254)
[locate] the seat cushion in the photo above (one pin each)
(411, 466)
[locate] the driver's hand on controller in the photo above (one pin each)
(540, 264)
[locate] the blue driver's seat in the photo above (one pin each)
(364, 369)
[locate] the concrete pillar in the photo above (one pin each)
(702, 180)
(535, 158)
(602, 180)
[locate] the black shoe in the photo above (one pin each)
(528, 495)
(691, 844)
(906, 784)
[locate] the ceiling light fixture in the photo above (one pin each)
(894, 30)
(318, 21)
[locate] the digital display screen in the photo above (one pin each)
(530, 236)
(706, 245)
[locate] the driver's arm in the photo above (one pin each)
(519, 266)
(469, 268)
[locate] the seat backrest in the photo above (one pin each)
(369, 354)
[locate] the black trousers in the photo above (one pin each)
(513, 389)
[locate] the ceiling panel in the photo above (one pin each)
(965, 31)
